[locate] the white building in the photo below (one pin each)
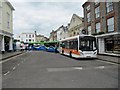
(27, 37)
(6, 26)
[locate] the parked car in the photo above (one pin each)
(38, 48)
(52, 49)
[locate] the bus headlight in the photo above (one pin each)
(81, 53)
(95, 53)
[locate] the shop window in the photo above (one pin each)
(117, 44)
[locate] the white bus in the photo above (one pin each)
(82, 46)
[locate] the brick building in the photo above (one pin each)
(102, 19)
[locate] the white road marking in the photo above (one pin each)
(7, 73)
(11, 58)
(100, 67)
(79, 68)
(14, 68)
(18, 64)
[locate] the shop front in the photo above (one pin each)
(6, 41)
(109, 44)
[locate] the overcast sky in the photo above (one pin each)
(43, 16)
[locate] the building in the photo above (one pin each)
(76, 25)
(40, 38)
(51, 38)
(6, 26)
(63, 32)
(27, 37)
(103, 20)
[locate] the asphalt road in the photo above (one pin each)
(49, 70)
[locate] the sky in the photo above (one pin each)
(43, 16)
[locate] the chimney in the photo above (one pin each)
(35, 33)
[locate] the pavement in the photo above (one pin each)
(109, 58)
(10, 54)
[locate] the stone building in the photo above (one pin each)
(76, 26)
(6, 26)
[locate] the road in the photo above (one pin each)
(41, 69)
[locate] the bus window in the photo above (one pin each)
(87, 44)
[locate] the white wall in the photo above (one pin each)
(101, 45)
(23, 37)
(0, 42)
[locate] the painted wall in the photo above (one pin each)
(0, 14)
(5, 11)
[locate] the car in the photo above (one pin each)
(52, 49)
(39, 48)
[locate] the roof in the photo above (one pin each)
(9, 4)
(27, 33)
(85, 3)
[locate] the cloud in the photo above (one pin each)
(43, 16)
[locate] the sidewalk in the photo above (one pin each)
(113, 59)
(10, 54)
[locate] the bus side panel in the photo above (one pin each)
(71, 50)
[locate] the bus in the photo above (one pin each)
(81, 46)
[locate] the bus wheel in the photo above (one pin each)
(62, 52)
(70, 54)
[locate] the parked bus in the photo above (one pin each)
(82, 46)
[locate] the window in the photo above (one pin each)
(88, 17)
(8, 20)
(26, 40)
(97, 2)
(109, 6)
(97, 27)
(29, 36)
(33, 40)
(73, 19)
(0, 14)
(26, 35)
(73, 44)
(0, 11)
(88, 7)
(97, 12)
(29, 40)
(89, 30)
(33, 35)
(110, 24)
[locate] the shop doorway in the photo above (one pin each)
(7, 40)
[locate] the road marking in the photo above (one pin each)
(101, 67)
(107, 62)
(11, 58)
(18, 64)
(7, 73)
(79, 68)
(22, 62)
(14, 68)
